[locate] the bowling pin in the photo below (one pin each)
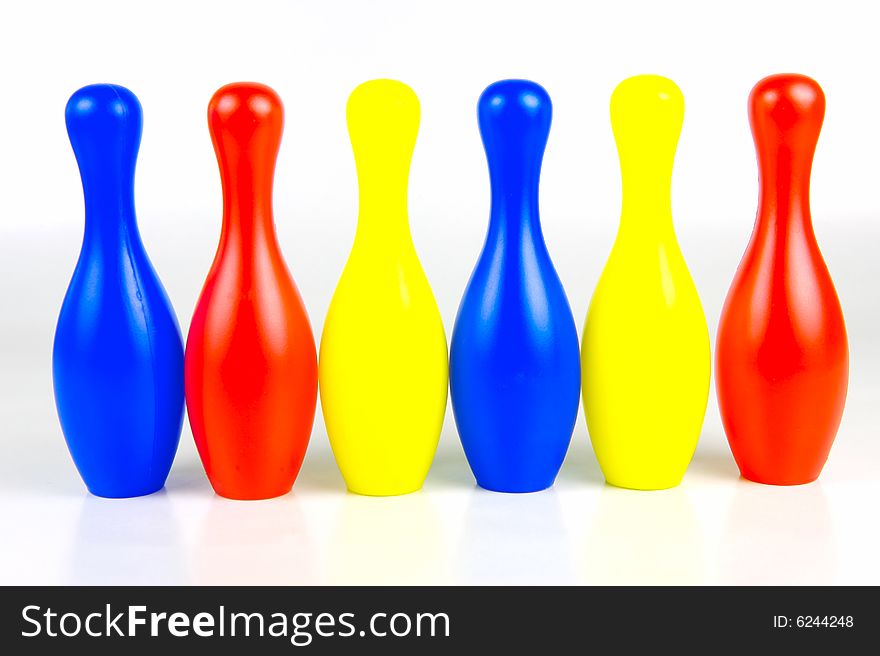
(781, 359)
(118, 357)
(251, 366)
(515, 364)
(383, 362)
(645, 351)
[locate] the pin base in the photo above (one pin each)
(253, 495)
(508, 488)
(652, 485)
(779, 481)
(383, 492)
(131, 493)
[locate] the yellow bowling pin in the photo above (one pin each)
(383, 368)
(645, 352)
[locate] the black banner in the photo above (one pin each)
(435, 620)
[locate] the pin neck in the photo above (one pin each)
(514, 210)
(247, 214)
(245, 125)
(246, 233)
(647, 112)
(110, 215)
(104, 125)
(382, 204)
(647, 202)
(389, 206)
(383, 229)
(514, 155)
(108, 209)
(248, 220)
(784, 196)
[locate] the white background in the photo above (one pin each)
(714, 528)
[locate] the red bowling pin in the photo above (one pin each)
(782, 360)
(251, 366)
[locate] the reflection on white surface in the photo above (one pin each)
(126, 542)
(516, 539)
(254, 543)
(386, 541)
(643, 538)
(778, 536)
(714, 528)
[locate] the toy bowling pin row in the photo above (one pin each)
(515, 371)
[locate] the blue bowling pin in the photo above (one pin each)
(514, 362)
(118, 357)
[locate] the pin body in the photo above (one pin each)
(645, 351)
(118, 357)
(782, 355)
(514, 364)
(383, 360)
(251, 365)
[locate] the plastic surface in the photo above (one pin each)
(515, 363)
(251, 365)
(645, 352)
(383, 365)
(118, 358)
(781, 357)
